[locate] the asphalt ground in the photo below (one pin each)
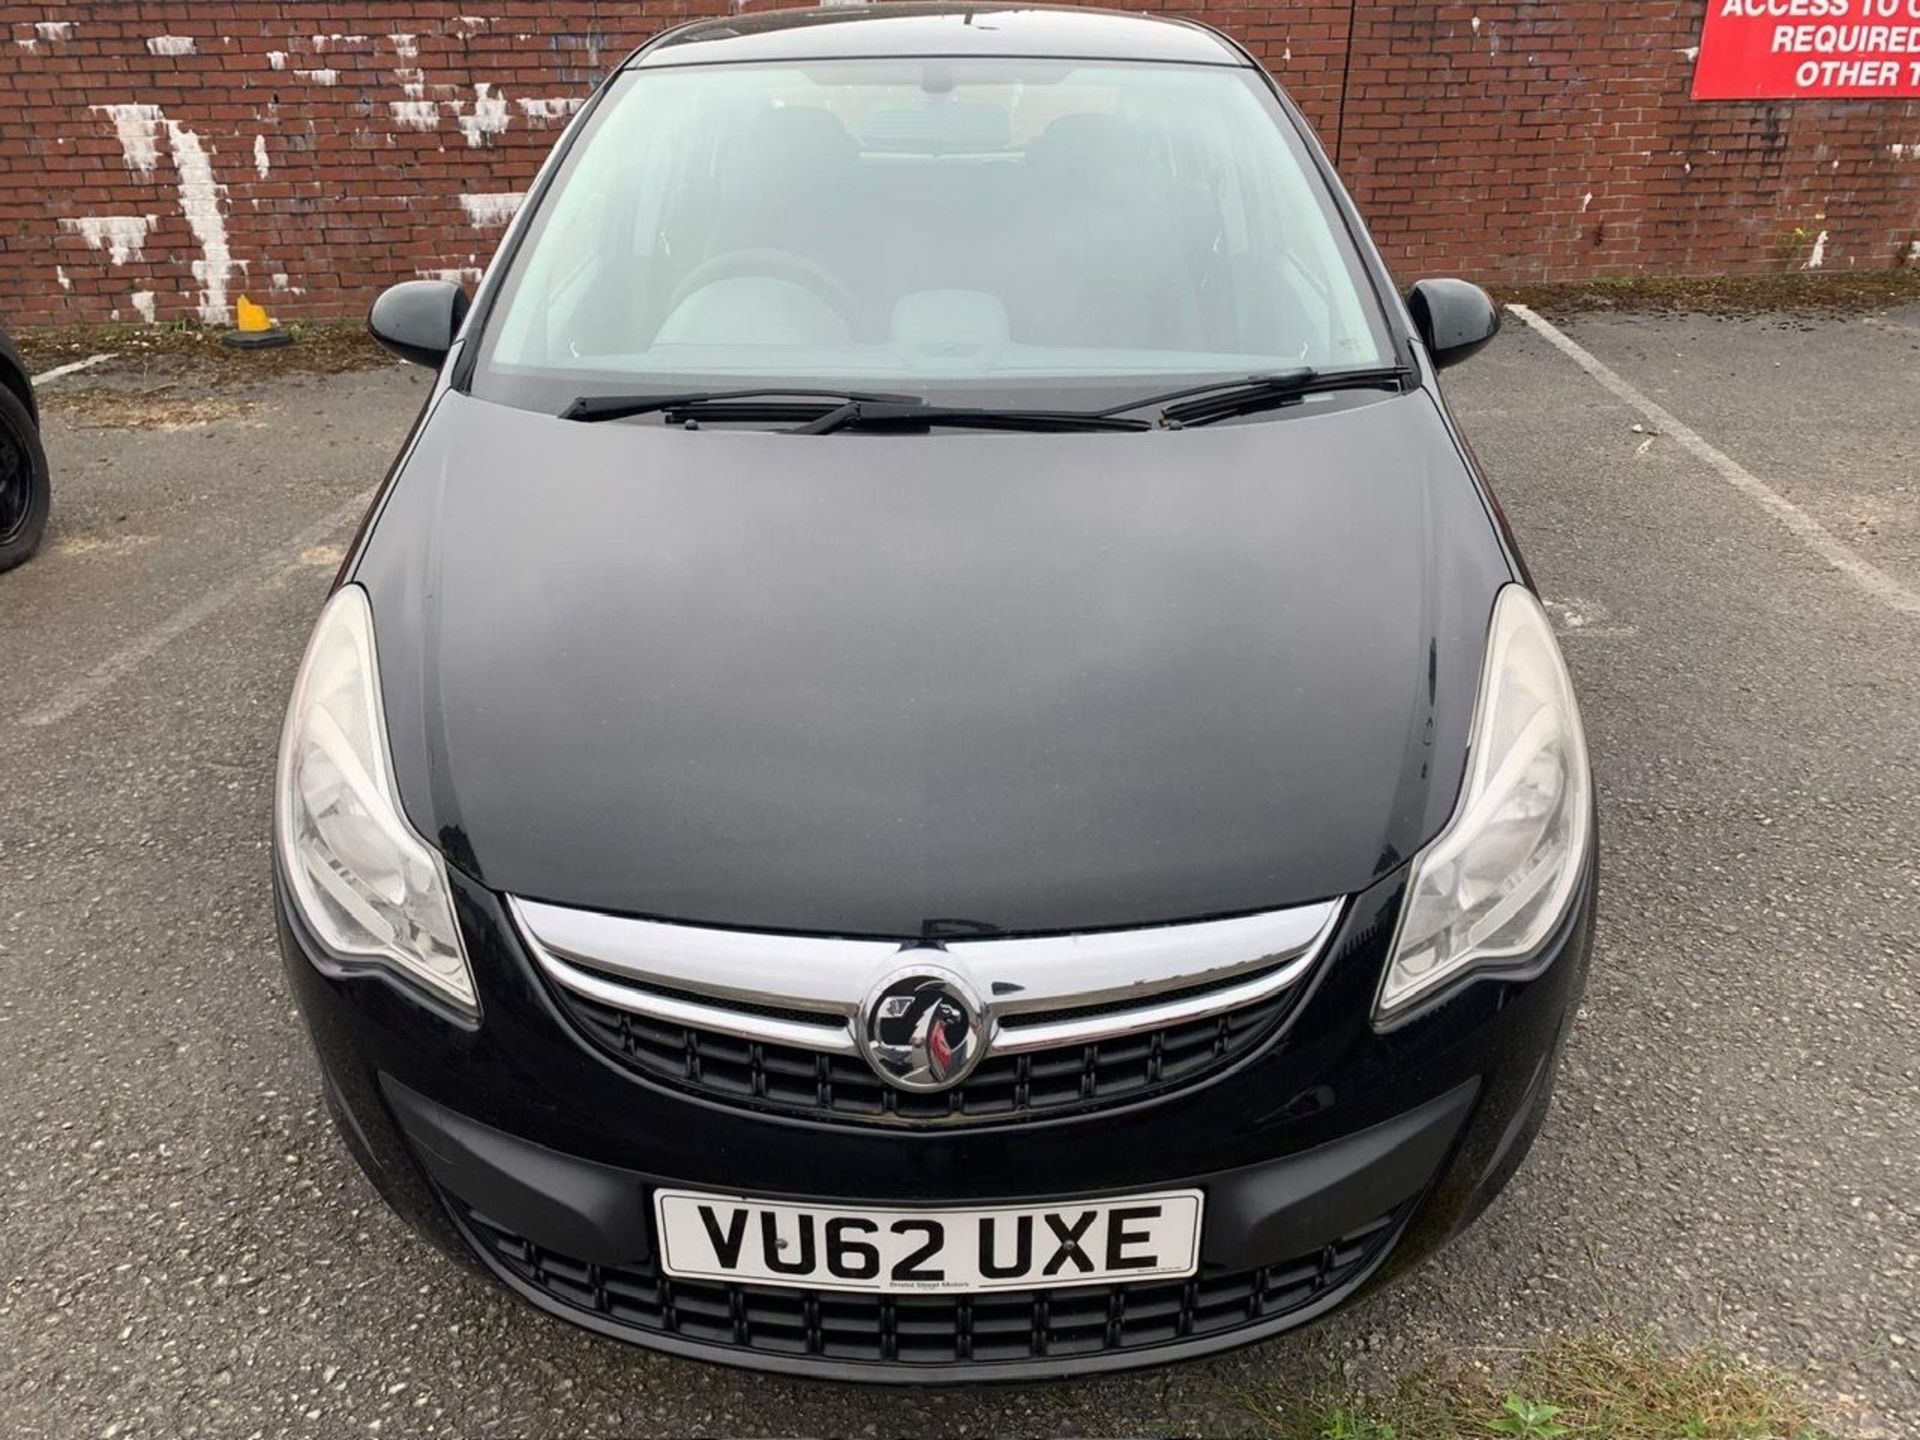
(185, 1248)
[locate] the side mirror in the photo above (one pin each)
(1456, 319)
(417, 319)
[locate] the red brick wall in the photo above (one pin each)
(308, 153)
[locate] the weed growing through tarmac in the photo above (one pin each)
(1603, 1385)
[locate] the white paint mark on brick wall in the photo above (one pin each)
(138, 129)
(1904, 152)
(320, 77)
(60, 274)
(1585, 201)
(465, 275)
(404, 46)
(262, 166)
(489, 117)
(200, 202)
(123, 237)
(471, 23)
(1692, 52)
(30, 44)
(53, 29)
(276, 59)
(1819, 256)
(496, 208)
(278, 280)
(170, 45)
(143, 302)
(551, 107)
(419, 114)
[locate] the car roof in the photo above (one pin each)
(842, 30)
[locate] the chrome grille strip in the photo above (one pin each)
(800, 972)
(1126, 967)
(834, 1038)
(1113, 1025)
(1116, 975)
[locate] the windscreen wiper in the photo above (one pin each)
(763, 403)
(866, 414)
(1199, 404)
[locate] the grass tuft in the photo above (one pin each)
(1604, 1385)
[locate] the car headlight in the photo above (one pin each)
(368, 886)
(1491, 887)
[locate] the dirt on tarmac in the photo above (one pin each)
(1799, 295)
(192, 352)
(1731, 1157)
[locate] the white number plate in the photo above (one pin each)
(1011, 1247)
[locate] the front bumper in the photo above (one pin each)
(1331, 1159)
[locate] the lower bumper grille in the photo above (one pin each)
(930, 1331)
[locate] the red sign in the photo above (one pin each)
(1809, 50)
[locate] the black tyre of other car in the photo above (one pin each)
(26, 486)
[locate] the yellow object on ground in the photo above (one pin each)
(249, 317)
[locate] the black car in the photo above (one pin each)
(935, 760)
(26, 489)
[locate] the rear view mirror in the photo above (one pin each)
(417, 319)
(1456, 318)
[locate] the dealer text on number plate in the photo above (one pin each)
(1007, 1247)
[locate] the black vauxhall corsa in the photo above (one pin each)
(935, 761)
(25, 487)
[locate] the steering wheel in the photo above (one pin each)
(810, 275)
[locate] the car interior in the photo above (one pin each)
(861, 225)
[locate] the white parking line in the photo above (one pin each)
(269, 571)
(1807, 530)
(57, 371)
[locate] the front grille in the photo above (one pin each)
(930, 1330)
(1002, 1087)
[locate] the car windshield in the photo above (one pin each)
(1061, 232)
